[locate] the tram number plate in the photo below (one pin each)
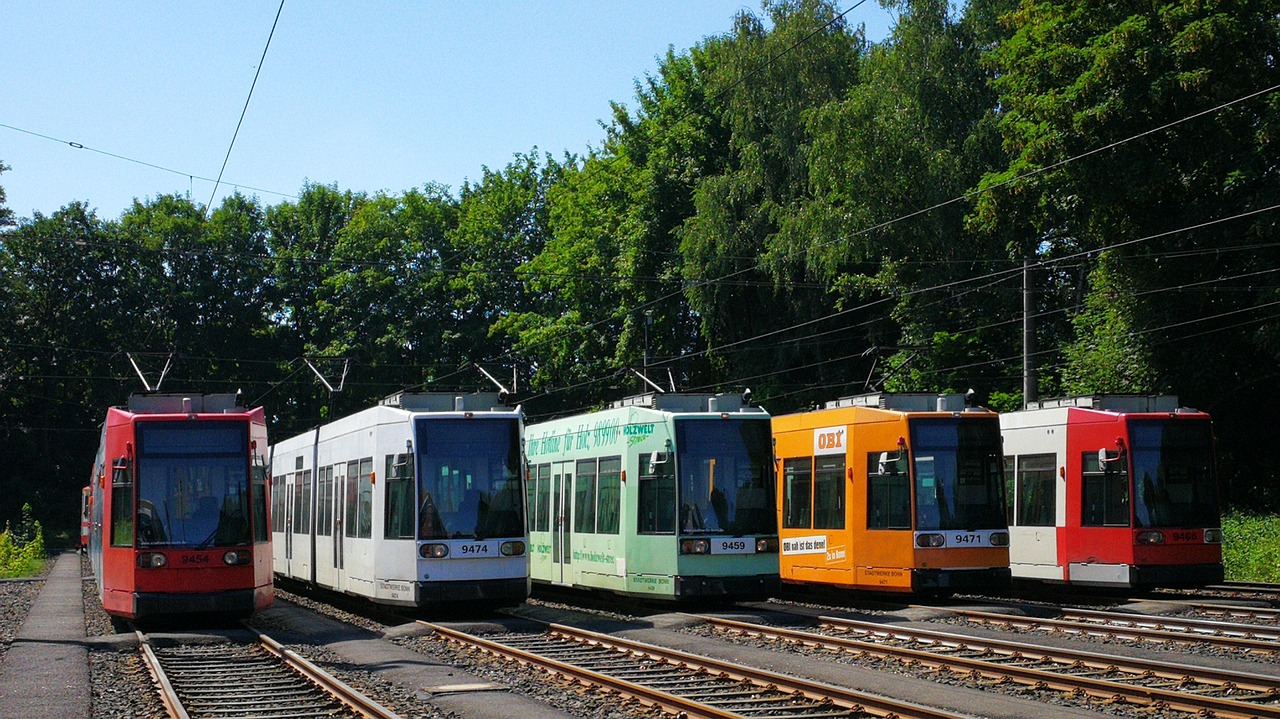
(473, 550)
(966, 540)
(733, 546)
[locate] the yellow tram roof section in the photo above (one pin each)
(877, 407)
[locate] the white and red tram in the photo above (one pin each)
(414, 502)
(1112, 490)
(178, 508)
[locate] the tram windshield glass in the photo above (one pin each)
(958, 474)
(1173, 478)
(469, 479)
(193, 484)
(725, 482)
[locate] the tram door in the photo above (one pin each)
(561, 499)
(339, 517)
(290, 489)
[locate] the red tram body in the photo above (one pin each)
(1112, 491)
(178, 512)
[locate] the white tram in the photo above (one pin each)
(414, 502)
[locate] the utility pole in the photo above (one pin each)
(1029, 391)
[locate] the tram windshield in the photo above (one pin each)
(958, 474)
(1173, 474)
(725, 483)
(193, 484)
(469, 479)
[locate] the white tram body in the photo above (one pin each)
(414, 502)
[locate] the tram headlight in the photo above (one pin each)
(765, 545)
(433, 551)
(931, 541)
(152, 560)
(511, 549)
(999, 539)
(695, 546)
(236, 557)
(1150, 537)
(1213, 536)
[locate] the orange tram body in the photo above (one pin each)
(892, 492)
(178, 508)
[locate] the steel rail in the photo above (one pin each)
(1154, 697)
(848, 699)
(1207, 627)
(168, 696)
(345, 693)
(300, 674)
(1113, 630)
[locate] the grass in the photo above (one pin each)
(1251, 547)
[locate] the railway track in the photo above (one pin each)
(261, 680)
(1087, 622)
(1104, 678)
(685, 684)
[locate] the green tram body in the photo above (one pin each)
(607, 513)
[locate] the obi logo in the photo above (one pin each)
(828, 440)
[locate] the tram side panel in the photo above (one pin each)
(1036, 448)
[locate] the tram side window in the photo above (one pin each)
(324, 502)
(656, 511)
(1104, 495)
(352, 497)
(399, 483)
(302, 502)
(888, 491)
(364, 519)
(544, 498)
(122, 504)
(828, 492)
(584, 497)
(1036, 490)
(531, 499)
(797, 493)
(277, 503)
(609, 496)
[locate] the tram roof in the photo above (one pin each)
(177, 403)
(1112, 403)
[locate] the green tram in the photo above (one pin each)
(663, 496)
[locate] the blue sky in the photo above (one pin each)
(370, 96)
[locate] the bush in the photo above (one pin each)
(22, 551)
(1251, 547)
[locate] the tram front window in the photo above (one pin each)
(1173, 474)
(725, 483)
(469, 479)
(193, 484)
(958, 474)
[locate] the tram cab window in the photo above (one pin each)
(609, 495)
(399, 483)
(797, 493)
(258, 479)
(888, 490)
(122, 503)
(1104, 494)
(657, 494)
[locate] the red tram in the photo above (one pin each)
(178, 513)
(1112, 491)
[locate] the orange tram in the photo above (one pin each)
(892, 492)
(178, 508)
